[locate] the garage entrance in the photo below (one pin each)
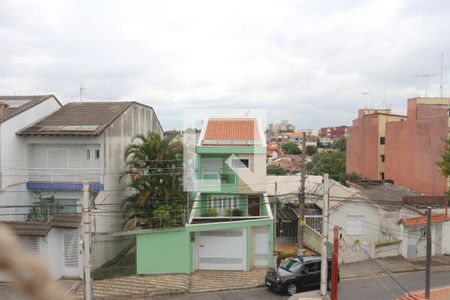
(220, 250)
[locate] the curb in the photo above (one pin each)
(398, 271)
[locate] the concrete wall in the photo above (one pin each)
(371, 222)
(362, 147)
(413, 148)
(445, 238)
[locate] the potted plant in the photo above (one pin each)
(237, 212)
(211, 212)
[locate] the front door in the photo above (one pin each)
(253, 205)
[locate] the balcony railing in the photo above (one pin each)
(217, 178)
(64, 175)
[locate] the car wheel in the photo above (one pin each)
(291, 288)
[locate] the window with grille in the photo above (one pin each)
(30, 243)
(70, 250)
(223, 202)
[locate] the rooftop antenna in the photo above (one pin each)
(81, 93)
(442, 73)
(385, 98)
(365, 98)
(426, 81)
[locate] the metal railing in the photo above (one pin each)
(65, 175)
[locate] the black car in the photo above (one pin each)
(296, 273)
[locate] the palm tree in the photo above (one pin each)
(154, 171)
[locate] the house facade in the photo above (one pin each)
(55, 242)
(84, 142)
(17, 112)
(230, 225)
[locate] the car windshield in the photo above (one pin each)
(291, 265)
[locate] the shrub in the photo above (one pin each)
(386, 243)
(211, 212)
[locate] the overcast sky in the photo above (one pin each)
(305, 61)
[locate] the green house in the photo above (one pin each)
(230, 226)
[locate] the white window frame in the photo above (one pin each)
(240, 165)
(355, 224)
(223, 202)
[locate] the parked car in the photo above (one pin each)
(296, 273)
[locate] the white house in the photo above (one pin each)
(85, 141)
(56, 242)
(17, 112)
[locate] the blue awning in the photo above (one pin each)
(64, 186)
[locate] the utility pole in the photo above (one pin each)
(324, 252)
(335, 266)
(88, 286)
(428, 262)
(275, 215)
(442, 74)
(301, 199)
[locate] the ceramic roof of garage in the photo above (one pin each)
(27, 103)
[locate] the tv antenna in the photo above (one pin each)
(81, 93)
(426, 81)
(442, 73)
(365, 98)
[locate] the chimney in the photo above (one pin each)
(3, 110)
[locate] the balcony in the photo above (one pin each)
(216, 182)
(58, 175)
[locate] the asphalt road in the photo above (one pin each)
(368, 288)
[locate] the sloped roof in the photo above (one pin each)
(232, 132)
(416, 221)
(66, 221)
(19, 104)
(25, 228)
(425, 200)
(22, 228)
(79, 118)
(386, 195)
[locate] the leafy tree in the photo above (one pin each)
(42, 209)
(291, 148)
(311, 150)
(332, 163)
(154, 170)
(275, 170)
(341, 145)
(444, 164)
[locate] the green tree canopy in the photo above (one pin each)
(154, 170)
(311, 150)
(291, 148)
(275, 170)
(444, 163)
(332, 163)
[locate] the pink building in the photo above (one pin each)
(414, 146)
(366, 143)
(334, 132)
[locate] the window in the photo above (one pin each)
(291, 265)
(97, 154)
(223, 202)
(355, 224)
(88, 154)
(312, 267)
(382, 140)
(57, 158)
(382, 176)
(382, 158)
(60, 206)
(240, 163)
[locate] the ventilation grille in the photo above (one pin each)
(221, 261)
(222, 233)
(31, 244)
(70, 250)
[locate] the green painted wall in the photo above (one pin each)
(173, 251)
(164, 252)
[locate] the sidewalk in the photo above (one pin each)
(397, 264)
(212, 281)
